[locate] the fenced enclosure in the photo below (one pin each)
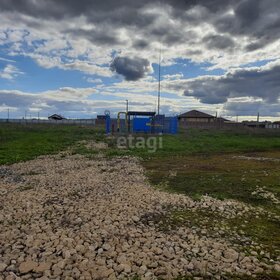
(149, 125)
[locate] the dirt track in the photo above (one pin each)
(69, 217)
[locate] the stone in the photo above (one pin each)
(12, 276)
(142, 270)
(56, 270)
(153, 265)
(76, 273)
(81, 249)
(231, 255)
(119, 268)
(2, 267)
(195, 250)
(42, 267)
(43, 278)
(189, 266)
(246, 260)
(61, 264)
(106, 247)
(135, 219)
(121, 259)
(160, 271)
(104, 272)
(276, 267)
(27, 266)
(66, 254)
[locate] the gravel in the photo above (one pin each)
(70, 217)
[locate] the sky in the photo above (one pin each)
(80, 58)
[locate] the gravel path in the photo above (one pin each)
(69, 217)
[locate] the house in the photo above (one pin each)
(101, 117)
(256, 124)
(56, 117)
(195, 116)
(100, 120)
(274, 125)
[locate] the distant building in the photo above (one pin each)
(256, 124)
(101, 117)
(100, 120)
(56, 117)
(197, 117)
(274, 125)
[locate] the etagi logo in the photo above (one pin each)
(151, 143)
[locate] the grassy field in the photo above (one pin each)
(25, 142)
(224, 165)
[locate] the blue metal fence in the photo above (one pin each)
(153, 125)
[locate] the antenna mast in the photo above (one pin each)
(159, 77)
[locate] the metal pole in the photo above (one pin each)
(127, 120)
(159, 66)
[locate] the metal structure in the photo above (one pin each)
(142, 122)
(119, 120)
(159, 80)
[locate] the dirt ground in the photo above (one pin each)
(72, 217)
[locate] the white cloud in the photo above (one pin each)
(94, 81)
(10, 72)
(7, 60)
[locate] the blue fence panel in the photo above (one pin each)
(142, 125)
(173, 125)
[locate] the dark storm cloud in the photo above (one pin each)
(257, 83)
(252, 108)
(132, 69)
(140, 44)
(260, 20)
(97, 36)
(255, 18)
(218, 42)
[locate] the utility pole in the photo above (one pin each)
(258, 117)
(127, 118)
(126, 106)
(159, 77)
(8, 113)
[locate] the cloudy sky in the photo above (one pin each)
(78, 58)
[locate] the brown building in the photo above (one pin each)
(195, 116)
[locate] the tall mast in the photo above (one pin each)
(159, 77)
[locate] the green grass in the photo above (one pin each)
(25, 142)
(221, 176)
(210, 142)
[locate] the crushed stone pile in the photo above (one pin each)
(70, 217)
